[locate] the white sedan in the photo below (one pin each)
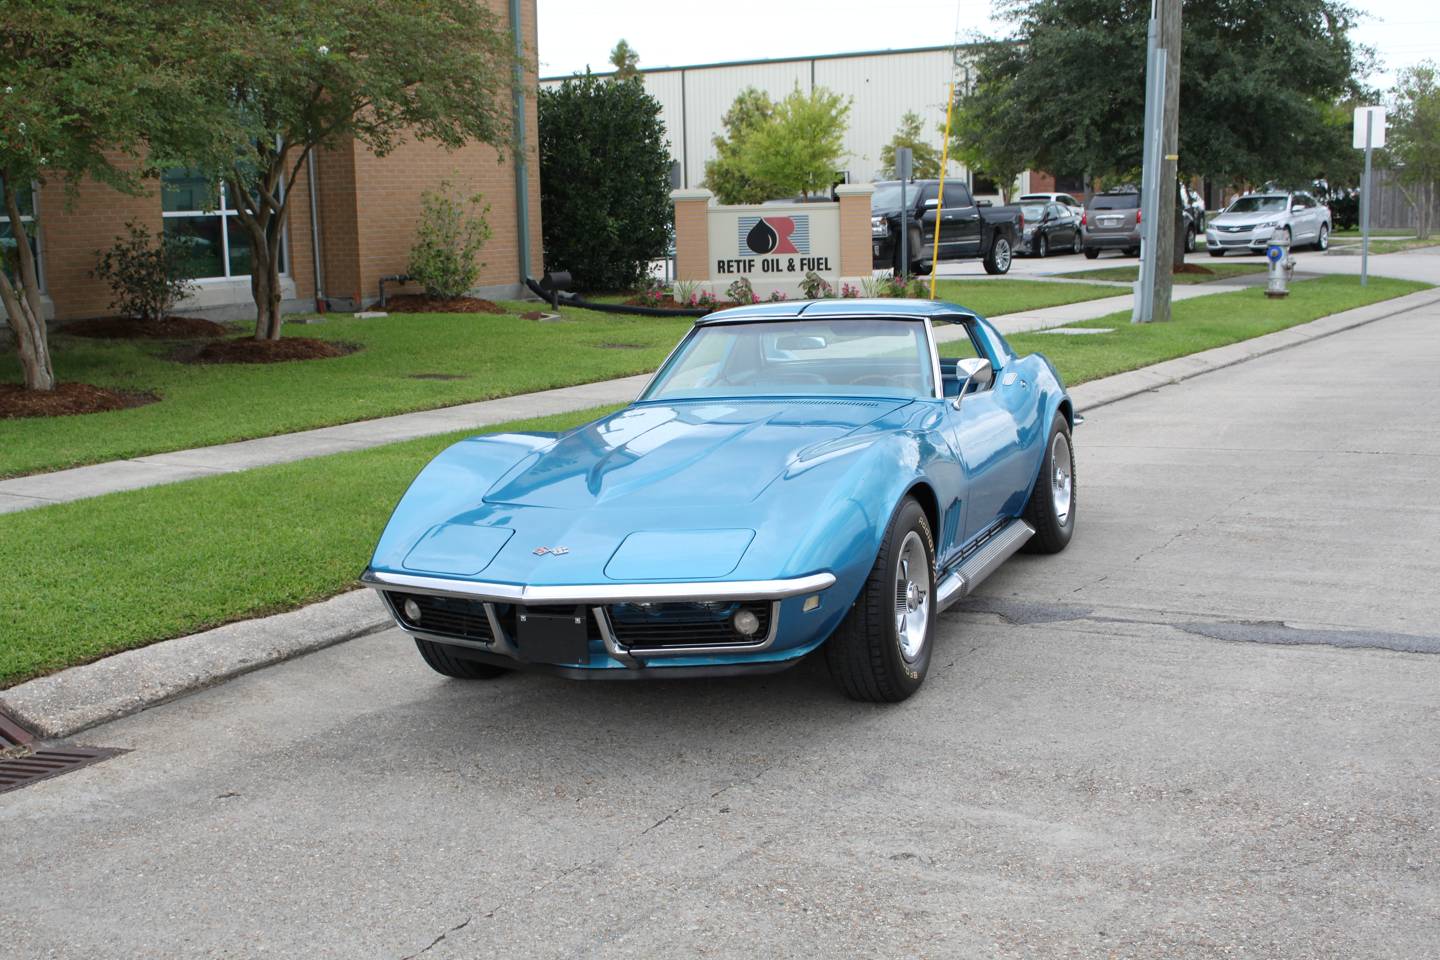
(1251, 221)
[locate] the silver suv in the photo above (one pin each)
(1251, 221)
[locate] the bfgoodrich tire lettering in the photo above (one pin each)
(869, 655)
(1051, 508)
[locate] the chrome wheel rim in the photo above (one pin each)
(1075, 246)
(1002, 254)
(1324, 239)
(912, 597)
(1044, 246)
(1062, 487)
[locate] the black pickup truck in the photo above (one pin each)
(968, 231)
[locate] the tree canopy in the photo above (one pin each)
(925, 163)
(283, 77)
(1257, 79)
(1413, 142)
(625, 59)
(779, 149)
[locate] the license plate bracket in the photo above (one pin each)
(552, 637)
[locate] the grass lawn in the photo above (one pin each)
(1200, 324)
(1374, 232)
(97, 576)
(1218, 271)
(1384, 246)
(493, 356)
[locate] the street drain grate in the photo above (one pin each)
(12, 734)
(44, 764)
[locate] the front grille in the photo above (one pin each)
(444, 616)
(658, 625)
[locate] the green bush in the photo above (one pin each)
(146, 274)
(444, 259)
(604, 181)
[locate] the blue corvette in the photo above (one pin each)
(795, 475)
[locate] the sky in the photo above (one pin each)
(577, 33)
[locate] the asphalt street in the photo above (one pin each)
(1210, 728)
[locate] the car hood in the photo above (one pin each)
(714, 452)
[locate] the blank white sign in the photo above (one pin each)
(1377, 129)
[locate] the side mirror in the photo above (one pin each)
(972, 372)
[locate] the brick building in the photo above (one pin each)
(364, 215)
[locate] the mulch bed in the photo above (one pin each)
(126, 328)
(1193, 268)
(66, 400)
(419, 303)
(668, 302)
(250, 350)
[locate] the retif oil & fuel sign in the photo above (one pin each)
(775, 242)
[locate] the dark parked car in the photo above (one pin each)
(1114, 219)
(968, 231)
(1049, 228)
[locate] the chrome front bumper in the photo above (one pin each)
(595, 597)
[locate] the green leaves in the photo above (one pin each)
(794, 148)
(926, 158)
(604, 181)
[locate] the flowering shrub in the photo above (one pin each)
(848, 292)
(452, 229)
(740, 291)
(776, 296)
(652, 292)
(684, 291)
(816, 287)
(703, 299)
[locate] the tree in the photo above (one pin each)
(725, 175)
(925, 164)
(1413, 141)
(83, 85)
(1254, 76)
(285, 77)
(801, 146)
(604, 181)
(625, 60)
(987, 138)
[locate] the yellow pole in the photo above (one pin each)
(940, 207)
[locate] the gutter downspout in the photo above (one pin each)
(522, 176)
(320, 304)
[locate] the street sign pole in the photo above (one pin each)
(904, 168)
(1143, 310)
(1365, 202)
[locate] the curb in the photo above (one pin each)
(1121, 386)
(65, 703)
(70, 701)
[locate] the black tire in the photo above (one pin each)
(1132, 251)
(1190, 241)
(864, 653)
(1091, 253)
(441, 660)
(1077, 243)
(1322, 240)
(1052, 531)
(997, 260)
(1042, 248)
(1215, 251)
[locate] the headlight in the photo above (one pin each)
(1267, 223)
(879, 227)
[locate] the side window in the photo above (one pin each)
(1055, 210)
(929, 192)
(955, 342)
(956, 195)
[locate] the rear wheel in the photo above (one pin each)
(1076, 245)
(442, 660)
(881, 650)
(1322, 242)
(1051, 508)
(1132, 251)
(998, 259)
(1091, 253)
(1190, 241)
(1042, 247)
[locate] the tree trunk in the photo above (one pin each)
(1169, 224)
(24, 309)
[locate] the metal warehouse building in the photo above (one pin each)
(882, 84)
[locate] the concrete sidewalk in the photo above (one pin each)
(79, 483)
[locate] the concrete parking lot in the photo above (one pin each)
(1211, 728)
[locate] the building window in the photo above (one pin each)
(8, 256)
(200, 214)
(981, 184)
(1072, 184)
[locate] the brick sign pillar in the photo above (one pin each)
(855, 228)
(692, 234)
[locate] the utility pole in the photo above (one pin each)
(1161, 160)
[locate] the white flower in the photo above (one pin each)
(9, 89)
(22, 126)
(323, 50)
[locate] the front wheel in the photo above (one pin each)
(1051, 508)
(998, 259)
(1322, 242)
(1076, 245)
(881, 650)
(1215, 251)
(441, 660)
(1042, 248)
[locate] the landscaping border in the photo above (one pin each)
(76, 699)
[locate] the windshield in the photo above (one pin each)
(860, 357)
(1115, 201)
(1257, 205)
(887, 196)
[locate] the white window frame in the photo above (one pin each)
(224, 211)
(33, 230)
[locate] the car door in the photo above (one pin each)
(986, 433)
(964, 223)
(1062, 226)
